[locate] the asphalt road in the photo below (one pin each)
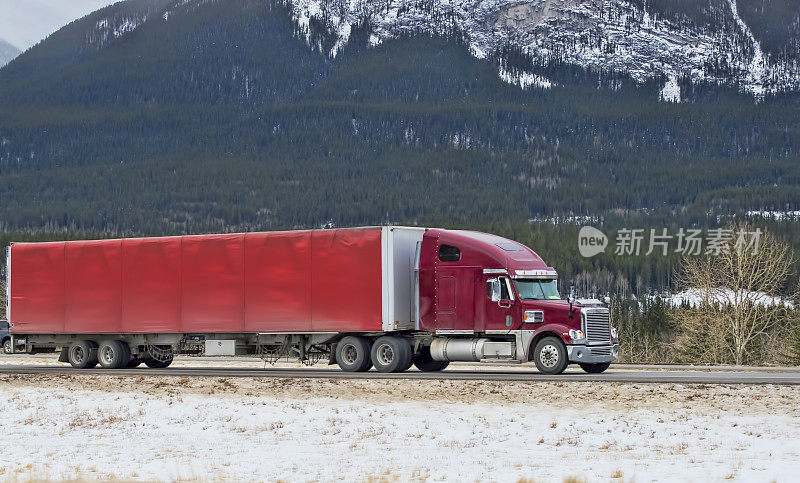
(777, 376)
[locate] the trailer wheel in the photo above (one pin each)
(154, 364)
(82, 354)
(353, 355)
(550, 356)
(595, 368)
(425, 362)
(7, 347)
(113, 354)
(391, 354)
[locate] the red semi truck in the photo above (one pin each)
(387, 297)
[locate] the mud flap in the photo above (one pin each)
(64, 357)
(332, 358)
(523, 342)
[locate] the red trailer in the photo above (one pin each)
(387, 297)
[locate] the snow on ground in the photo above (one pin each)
(154, 428)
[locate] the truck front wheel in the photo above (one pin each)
(82, 354)
(352, 354)
(550, 356)
(391, 354)
(595, 368)
(7, 347)
(113, 354)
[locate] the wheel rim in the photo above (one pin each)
(78, 355)
(548, 355)
(349, 354)
(107, 354)
(7, 346)
(385, 354)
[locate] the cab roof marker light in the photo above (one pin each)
(537, 273)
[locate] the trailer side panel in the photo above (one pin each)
(93, 286)
(151, 289)
(278, 282)
(37, 287)
(213, 283)
(346, 280)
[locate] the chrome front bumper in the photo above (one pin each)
(595, 354)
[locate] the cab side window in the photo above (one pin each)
(504, 295)
(449, 253)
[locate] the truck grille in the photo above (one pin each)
(598, 326)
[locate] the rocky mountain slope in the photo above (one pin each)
(702, 40)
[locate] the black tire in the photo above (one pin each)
(154, 364)
(391, 354)
(82, 354)
(113, 354)
(7, 347)
(353, 354)
(425, 362)
(134, 362)
(594, 368)
(550, 356)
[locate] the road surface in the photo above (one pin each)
(787, 376)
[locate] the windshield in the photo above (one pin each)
(537, 289)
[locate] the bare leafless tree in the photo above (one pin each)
(741, 290)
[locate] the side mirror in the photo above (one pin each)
(494, 284)
(607, 300)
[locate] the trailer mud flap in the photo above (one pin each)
(332, 358)
(64, 357)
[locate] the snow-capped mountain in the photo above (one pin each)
(711, 43)
(7, 52)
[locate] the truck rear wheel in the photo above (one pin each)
(113, 354)
(391, 354)
(595, 368)
(353, 355)
(550, 356)
(425, 362)
(82, 354)
(154, 364)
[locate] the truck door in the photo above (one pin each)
(455, 298)
(499, 314)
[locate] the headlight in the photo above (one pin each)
(576, 335)
(614, 334)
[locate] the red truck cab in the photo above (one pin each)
(478, 284)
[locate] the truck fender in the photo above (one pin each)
(553, 330)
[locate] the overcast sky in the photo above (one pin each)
(23, 23)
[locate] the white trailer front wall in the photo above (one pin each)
(398, 252)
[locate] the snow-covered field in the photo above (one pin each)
(167, 428)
